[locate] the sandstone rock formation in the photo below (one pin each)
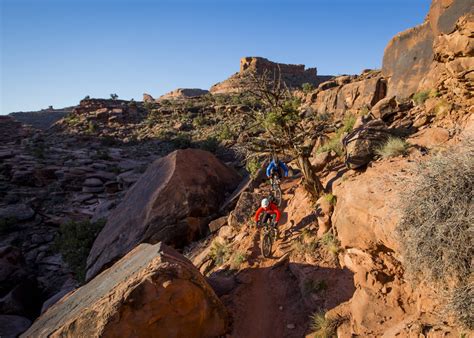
(293, 75)
(409, 56)
(365, 217)
(151, 292)
(348, 94)
(182, 93)
(169, 203)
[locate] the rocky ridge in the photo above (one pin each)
(293, 75)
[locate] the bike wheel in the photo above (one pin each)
(277, 196)
(266, 245)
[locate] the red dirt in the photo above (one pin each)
(268, 301)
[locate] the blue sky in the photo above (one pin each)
(55, 52)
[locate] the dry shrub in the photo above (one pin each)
(437, 227)
(393, 147)
(323, 326)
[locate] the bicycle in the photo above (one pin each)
(275, 189)
(269, 234)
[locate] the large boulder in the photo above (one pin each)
(152, 292)
(364, 216)
(171, 202)
(361, 143)
(409, 55)
(12, 326)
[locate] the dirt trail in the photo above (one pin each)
(268, 302)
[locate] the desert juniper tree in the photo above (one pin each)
(285, 128)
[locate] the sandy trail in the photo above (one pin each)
(268, 302)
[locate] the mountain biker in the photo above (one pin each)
(271, 212)
(276, 167)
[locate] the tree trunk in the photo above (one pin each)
(311, 182)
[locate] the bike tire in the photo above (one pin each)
(266, 245)
(277, 196)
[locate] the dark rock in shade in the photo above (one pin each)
(17, 212)
(12, 269)
(12, 326)
(24, 300)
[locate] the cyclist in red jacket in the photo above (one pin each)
(270, 211)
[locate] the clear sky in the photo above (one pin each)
(55, 52)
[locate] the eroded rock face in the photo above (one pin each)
(151, 292)
(365, 217)
(348, 94)
(409, 55)
(292, 75)
(170, 202)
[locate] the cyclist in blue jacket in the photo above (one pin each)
(276, 167)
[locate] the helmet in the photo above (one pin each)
(265, 203)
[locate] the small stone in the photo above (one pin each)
(291, 326)
(93, 182)
(280, 308)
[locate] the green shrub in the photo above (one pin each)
(220, 252)
(181, 141)
(239, 258)
(330, 243)
(333, 144)
(199, 121)
(364, 110)
(330, 198)
(420, 97)
(252, 166)
(347, 124)
(437, 226)
(307, 87)
(72, 120)
(225, 133)
(74, 242)
(209, 144)
(394, 146)
(314, 286)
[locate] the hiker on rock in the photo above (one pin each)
(276, 168)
